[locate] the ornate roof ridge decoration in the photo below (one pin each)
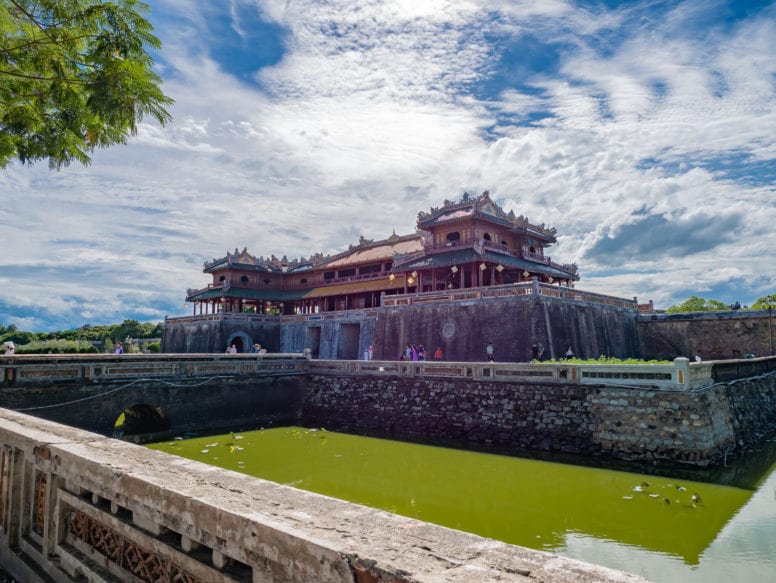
(282, 264)
(244, 258)
(364, 243)
(478, 204)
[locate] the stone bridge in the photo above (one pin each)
(76, 506)
(156, 392)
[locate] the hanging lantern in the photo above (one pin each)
(499, 268)
(414, 274)
(483, 267)
(410, 280)
(550, 279)
(392, 277)
(454, 269)
(526, 274)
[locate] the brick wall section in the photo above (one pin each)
(698, 427)
(524, 416)
(713, 335)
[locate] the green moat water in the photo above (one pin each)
(639, 523)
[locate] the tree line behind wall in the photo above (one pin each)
(81, 339)
(699, 304)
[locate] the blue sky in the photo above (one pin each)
(645, 132)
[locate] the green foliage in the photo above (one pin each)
(765, 302)
(75, 75)
(154, 347)
(18, 337)
(80, 340)
(698, 304)
(603, 360)
(106, 344)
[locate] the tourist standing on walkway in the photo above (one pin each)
(438, 353)
(489, 352)
(10, 348)
(118, 349)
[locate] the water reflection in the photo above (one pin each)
(647, 524)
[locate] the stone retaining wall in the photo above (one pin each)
(712, 335)
(698, 427)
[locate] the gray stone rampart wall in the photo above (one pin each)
(712, 335)
(697, 427)
(213, 335)
(513, 324)
(461, 329)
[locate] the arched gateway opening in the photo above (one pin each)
(141, 418)
(241, 341)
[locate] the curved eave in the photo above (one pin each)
(247, 294)
(371, 285)
(465, 256)
(239, 266)
(529, 230)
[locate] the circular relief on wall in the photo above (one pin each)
(448, 330)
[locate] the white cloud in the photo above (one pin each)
(379, 110)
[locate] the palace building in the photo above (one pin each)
(472, 243)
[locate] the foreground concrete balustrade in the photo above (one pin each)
(76, 506)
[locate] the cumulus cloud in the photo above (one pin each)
(643, 133)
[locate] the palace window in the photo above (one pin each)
(244, 279)
(454, 236)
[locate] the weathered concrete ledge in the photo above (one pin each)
(78, 506)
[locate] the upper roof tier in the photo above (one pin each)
(483, 207)
(366, 250)
(404, 249)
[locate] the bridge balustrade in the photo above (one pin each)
(76, 506)
(681, 374)
(31, 370)
(23, 370)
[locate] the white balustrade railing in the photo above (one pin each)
(681, 374)
(34, 369)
